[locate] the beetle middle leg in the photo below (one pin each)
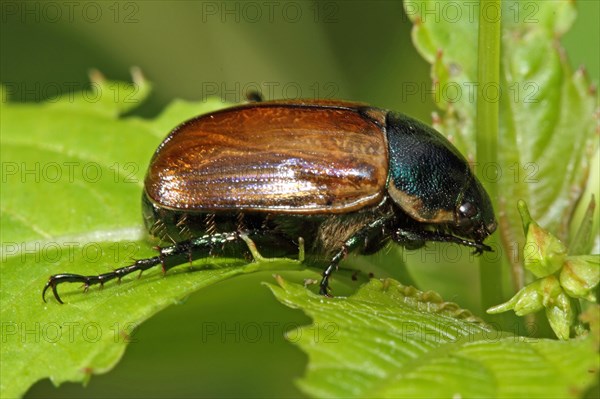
(375, 230)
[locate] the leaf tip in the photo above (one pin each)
(278, 289)
(138, 76)
(279, 280)
(96, 76)
(525, 215)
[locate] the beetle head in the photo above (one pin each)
(473, 212)
(432, 182)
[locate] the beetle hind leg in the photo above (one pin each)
(55, 280)
(168, 258)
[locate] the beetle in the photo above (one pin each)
(343, 176)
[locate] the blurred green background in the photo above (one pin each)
(356, 50)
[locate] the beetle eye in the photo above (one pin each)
(467, 210)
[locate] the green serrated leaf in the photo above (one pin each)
(72, 177)
(389, 340)
(548, 119)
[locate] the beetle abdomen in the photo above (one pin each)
(301, 159)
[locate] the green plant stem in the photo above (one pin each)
(487, 134)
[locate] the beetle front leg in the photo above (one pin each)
(413, 239)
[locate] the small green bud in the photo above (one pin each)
(528, 300)
(562, 279)
(579, 275)
(544, 253)
(559, 312)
